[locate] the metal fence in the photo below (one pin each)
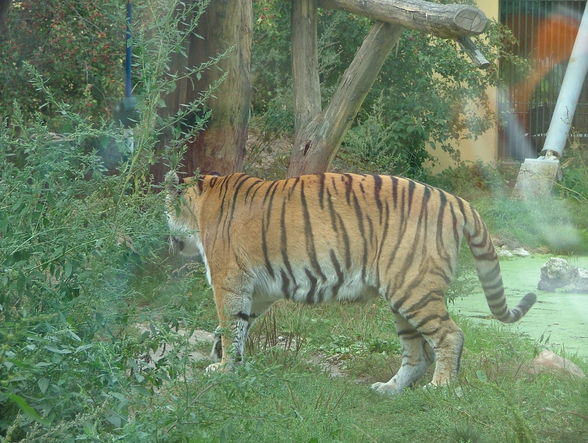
(545, 31)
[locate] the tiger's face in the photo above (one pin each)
(182, 219)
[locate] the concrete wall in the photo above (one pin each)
(485, 147)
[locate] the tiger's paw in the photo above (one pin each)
(386, 388)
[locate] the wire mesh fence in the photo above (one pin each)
(545, 31)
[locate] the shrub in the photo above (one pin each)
(418, 97)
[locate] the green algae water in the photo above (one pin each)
(560, 320)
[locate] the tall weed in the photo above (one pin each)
(75, 240)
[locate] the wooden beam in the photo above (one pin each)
(318, 142)
(305, 70)
(446, 21)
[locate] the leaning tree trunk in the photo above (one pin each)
(318, 134)
(225, 27)
(317, 142)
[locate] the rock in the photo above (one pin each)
(558, 273)
(548, 361)
(521, 252)
(581, 283)
(504, 253)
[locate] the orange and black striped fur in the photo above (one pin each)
(343, 237)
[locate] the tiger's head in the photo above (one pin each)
(181, 207)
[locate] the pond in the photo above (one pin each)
(561, 319)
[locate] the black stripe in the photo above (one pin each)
(332, 211)
(411, 188)
(264, 249)
(295, 181)
(347, 187)
(340, 276)
(285, 284)
(456, 235)
(268, 208)
(310, 248)
(382, 240)
(239, 184)
(394, 191)
(428, 319)
(402, 225)
(256, 182)
(377, 190)
(461, 205)
(223, 193)
(346, 245)
(334, 183)
(359, 216)
(242, 316)
(313, 281)
(424, 301)
(321, 189)
(273, 185)
(284, 242)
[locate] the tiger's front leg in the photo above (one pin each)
(233, 308)
(258, 307)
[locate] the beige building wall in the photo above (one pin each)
(485, 147)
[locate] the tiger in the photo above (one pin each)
(336, 237)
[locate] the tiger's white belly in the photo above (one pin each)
(302, 289)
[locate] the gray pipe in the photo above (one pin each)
(561, 120)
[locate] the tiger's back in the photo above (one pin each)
(343, 237)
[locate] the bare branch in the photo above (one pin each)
(446, 21)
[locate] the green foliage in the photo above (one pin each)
(88, 291)
(77, 243)
(420, 95)
(78, 46)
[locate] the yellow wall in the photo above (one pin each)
(485, 147)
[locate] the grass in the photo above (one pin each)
(284, 393)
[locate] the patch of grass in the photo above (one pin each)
(278, 395)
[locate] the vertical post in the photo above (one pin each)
(571, 87)
(305, 71)
(129, 52)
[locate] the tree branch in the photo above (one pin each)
(317, 143)
(446, 21)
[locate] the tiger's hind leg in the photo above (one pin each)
(417, 356)
(432, 321)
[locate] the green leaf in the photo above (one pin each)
(57, 350)
(28, 409)
(67, 270)
(43, 384)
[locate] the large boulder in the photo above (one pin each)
(559, 273)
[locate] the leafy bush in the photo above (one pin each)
(418, 97)
(78, 46)
(76, 243)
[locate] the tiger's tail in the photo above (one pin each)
(488, 268)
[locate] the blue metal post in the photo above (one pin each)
(129, 52)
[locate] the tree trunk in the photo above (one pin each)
(4, 5)
(221, 146)
(226, 26)
(318, 141)
(305, 71)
